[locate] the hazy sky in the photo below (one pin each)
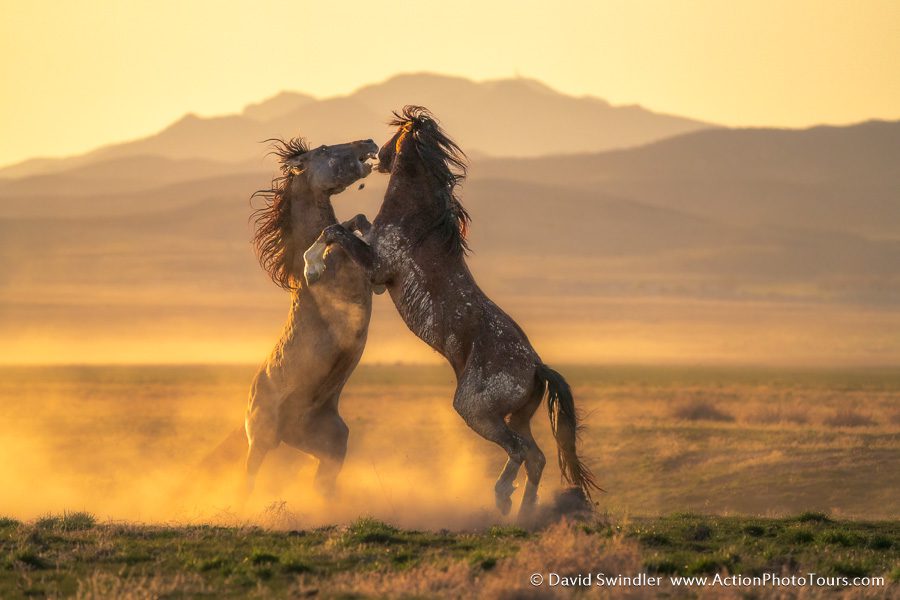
(77, 74)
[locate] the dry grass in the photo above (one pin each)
(564, 548)
(847, 417)
(372, 559)
(103, 586)
(778, 415)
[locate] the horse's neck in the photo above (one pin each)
(311, 212)
(410, 211)
(408, 198)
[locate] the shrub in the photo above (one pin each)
(849, 569)
(847, 417)
(75, 521)
(701, 411)
(32, 559)
(367, 530)
(813, 517)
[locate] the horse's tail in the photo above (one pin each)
(230, 451)
(564, 423)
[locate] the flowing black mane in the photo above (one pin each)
(272, 240)
(446, 162)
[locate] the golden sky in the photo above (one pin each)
(78, 74)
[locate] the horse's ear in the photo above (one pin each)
(425, 123)
(422, 128)
(296, 164)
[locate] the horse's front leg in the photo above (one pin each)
(358, 224)
(358, 250)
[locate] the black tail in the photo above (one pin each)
(564, 423)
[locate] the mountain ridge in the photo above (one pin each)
(762, 244)
(495, 117)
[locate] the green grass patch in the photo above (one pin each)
(850, 568)
(259, 557)
(509, 531)
(687, 543)
(800, 536)
(371, 531)
(483, 560)
(56, 555)
(74, 521)
(813, 517)
(31, 559)
(754, 530)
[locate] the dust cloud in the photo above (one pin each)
(158, 444)
(166, 444)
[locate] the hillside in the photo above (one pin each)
(667, 250)
(839, 178)
(517, 117)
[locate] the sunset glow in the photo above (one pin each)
(80, 74)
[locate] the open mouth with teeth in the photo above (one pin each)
(369, 166)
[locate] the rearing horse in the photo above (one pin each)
(294, 396)
(416, 247)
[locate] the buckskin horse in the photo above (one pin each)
(294, 395)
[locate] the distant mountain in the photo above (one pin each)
(277, 106)
(755, 244)
(523, 117)
(516, 117)
(831, 178)
(115, 175)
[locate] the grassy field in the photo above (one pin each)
(71, 554)
(706, 470)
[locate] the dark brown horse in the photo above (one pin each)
(416, 247)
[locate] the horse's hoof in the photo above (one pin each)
(314, 262)
(525, 521)
(526, 514)
(379, 288)
(326, 490)
(313, 270)
(504, 504)
(312, 273)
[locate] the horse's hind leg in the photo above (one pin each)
(520, 422)
(255, 454)
(325, 438)
(261, 426)
(491, 426)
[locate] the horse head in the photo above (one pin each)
(331, 169)
(308, 174)
(438, 166)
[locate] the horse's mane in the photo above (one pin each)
(446, 162)
(272, 239)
